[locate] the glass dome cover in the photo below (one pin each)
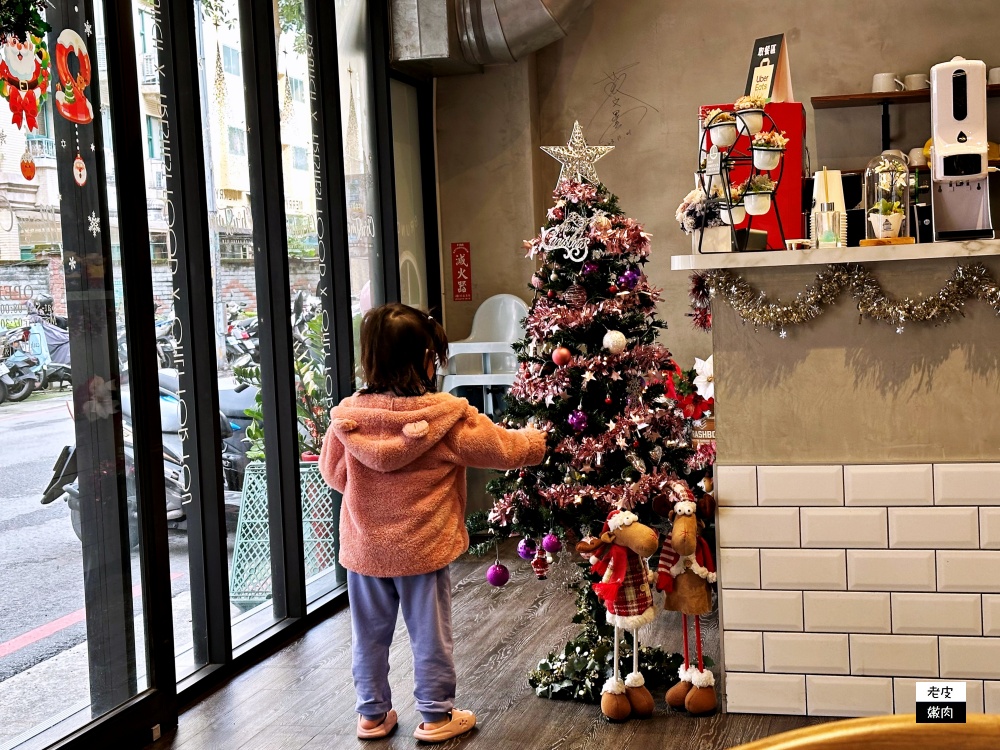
(887, 196)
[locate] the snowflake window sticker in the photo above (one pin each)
(569, 236)
(93, 224)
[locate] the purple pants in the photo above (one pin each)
(426, 605)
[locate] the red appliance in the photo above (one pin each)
(789, 117)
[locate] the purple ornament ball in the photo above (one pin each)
(497, 575)
(526, 548)
(577, 420)
(629, 279)
(588, 268)
(551, 543)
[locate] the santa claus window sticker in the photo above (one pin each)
(24, 80)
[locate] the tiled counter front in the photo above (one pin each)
(841, 586)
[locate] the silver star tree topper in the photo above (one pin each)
(577, 158)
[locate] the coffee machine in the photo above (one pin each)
(960, 200)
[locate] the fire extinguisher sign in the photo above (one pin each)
(461, 271)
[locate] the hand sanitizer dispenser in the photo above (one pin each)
(960, 198)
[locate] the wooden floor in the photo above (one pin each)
(303, 697)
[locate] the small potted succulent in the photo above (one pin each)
(750, 113)
(767, 146)
(886, 217)
(734, 212)
(721, 125)
(757, 197)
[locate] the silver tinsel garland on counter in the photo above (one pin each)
(754, 307)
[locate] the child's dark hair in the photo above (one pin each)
(398, 343)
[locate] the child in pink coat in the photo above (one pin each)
(397, 451)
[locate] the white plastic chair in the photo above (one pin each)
(486, 358)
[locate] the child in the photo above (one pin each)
(397, 450)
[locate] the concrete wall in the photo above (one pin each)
(662, 60)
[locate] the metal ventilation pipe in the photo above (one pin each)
(458, 36)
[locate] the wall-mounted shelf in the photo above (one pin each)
(883, 100)
(826, 256)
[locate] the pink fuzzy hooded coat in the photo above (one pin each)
(400, 464)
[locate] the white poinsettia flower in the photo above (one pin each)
(101, 404)
(704, 383)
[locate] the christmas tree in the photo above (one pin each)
(617, 407)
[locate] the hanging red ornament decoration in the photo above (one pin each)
(562, 356)
(608, 400)
(550, 294)
(575, 296)
(613, 289)
(27, 165)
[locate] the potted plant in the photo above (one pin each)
(750, 112)
(700, 216)
(767, 146)
(733, 211)
(721, 125)
(757, 197)
(886, 217)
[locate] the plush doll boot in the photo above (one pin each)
(701, 697)
(614, 703)
(639, 697)
(677, 695)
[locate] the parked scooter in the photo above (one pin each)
(22, 370)
(54, 329)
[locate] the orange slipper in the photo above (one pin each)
(461, 722)
(380, 731)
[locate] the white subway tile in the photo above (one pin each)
(808, 653)
(967, 484)
(894, 655)
(850, 528)
(739, 568)
(846, 612)
(742, 651)
(765, 693)
(989, 528)
(803, 569)
(800, 485)
(890, 570)
(970, 658)
(848, 696)
(761, 610)
(934, 528)
(991, 614)
(736, 485)
(905, 692)
(889, 484)
(758, 527)
(937, 614)
(977, 571)
(991, 697)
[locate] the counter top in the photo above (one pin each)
(826, 256)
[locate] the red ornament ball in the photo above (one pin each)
(613, 289)
(562, 356)
(608, 401)
(635, 443)
(27, 165)
(550, 294)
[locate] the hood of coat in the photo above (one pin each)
(386, 432)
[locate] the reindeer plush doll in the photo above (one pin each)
(685, 573)
(619, 557)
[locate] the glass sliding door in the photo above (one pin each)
(411, 230)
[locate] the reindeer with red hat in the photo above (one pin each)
(685, 573)
(619, 557)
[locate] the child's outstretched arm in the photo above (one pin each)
(480, 443)
(332, 463)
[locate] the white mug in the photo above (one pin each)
(885, 82)
(916, 81)
(917, 158)
(993, 77)
(897, 152)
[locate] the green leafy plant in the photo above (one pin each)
(760, 183)
(22, 18)
(887, 208)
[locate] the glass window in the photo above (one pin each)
(154, 137)
(409, 196)
(237, 141)
(231, 61)
(300, 158)
(298, 89)
(360, 170)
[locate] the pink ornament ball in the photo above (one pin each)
(497, 575)
(562, 356)
(527, 548)
(551, 543)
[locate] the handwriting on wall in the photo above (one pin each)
(621, 110)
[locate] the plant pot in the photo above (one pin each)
(750, 120)
(757, 204)
(733, 214)
(885, 226)
(766, 159)
(723, 134)
(712, 240)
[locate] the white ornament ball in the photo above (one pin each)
(615, 342)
